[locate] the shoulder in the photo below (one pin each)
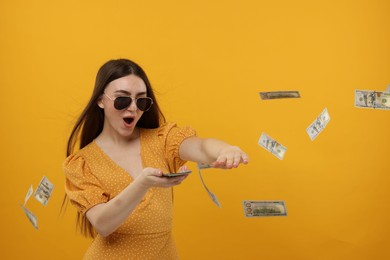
(79, 158)
(168, 129)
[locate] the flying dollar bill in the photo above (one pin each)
(372, 99)
(272, 146)
(318, 125)
(211, 195)
(28, 195)
(44, 190)
(264, 208)
(279, 94)
(33, 219)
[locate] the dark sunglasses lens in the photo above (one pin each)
(122, 102)
(144, 104)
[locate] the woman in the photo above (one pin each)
(115, 180)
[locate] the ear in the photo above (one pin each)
(100, 102)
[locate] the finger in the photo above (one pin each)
(217, 164)
(158, 172)
(152, 171)
(245, 158)
(183, 168)
(221, 160)
(237, 160)
(229, 162)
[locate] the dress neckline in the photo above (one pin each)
(112, 162)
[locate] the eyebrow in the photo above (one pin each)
(128, 93)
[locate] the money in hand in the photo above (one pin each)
(203, 166)
(372, 99)
(44, 190)
(264, 208)
(279, 94)
(33, 219)
(318, 125)
(272, 146)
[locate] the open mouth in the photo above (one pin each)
(128, 120)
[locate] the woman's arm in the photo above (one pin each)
(212, 151)
(107, 217)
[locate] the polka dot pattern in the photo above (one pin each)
(93, 178)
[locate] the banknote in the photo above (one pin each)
(372, 99)
(33, 219)
(28, 195)
(318, 125)
(264, 208)
(272, 146)
(203, 166)
(279, 94)
(44, 190)
(212, 195)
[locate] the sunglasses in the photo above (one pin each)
(142, 103)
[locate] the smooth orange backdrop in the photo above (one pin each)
(208, 60)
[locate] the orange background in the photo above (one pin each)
(208, 60)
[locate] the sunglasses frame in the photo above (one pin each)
(132, 100)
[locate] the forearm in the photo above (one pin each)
(107, 217)
(201, 150)
(211, 149)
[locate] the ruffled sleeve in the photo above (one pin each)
(172, 136)
(82, 187)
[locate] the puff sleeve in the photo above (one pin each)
(172, 136)
(81, 186)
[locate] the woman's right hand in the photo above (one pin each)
(152, 177)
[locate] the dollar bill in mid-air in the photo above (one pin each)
(28, 195)
(318, 125)
(372, 99)
(33, 219)
(264, 208)
(211, 195)
(44, 190)
(272, 146)
(279, 94)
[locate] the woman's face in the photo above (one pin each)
(121, 123)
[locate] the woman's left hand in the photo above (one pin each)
(230, 157)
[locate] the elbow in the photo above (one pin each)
(103, 229)
(100, 223)
(101, 226)
(104, 233)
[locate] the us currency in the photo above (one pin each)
(44, 190)
(203, 166)
(318, 125)
(279, 94)
(272, 146)
(264, 208)
(372, 99)
(211, 195)
(28, 195)
(33, 219)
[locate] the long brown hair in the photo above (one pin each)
(90, 123)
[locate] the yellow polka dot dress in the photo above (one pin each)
(93, 178)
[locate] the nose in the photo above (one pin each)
(133, 105)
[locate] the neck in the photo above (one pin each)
(110, 139)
